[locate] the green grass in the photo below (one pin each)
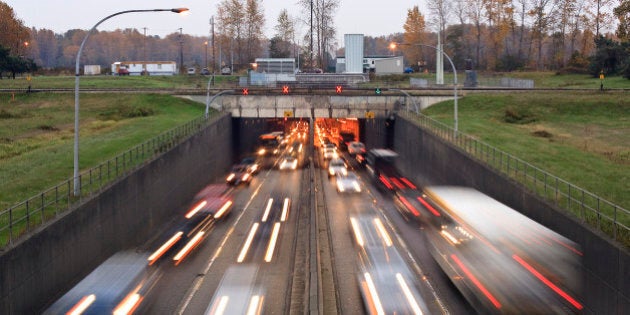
(37, 133)
(108, 81)
(582, 137)
(541, 79)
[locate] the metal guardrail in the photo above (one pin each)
(588, 207)
(28, 215)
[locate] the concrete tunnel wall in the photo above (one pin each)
(430, 160)
(125, 215)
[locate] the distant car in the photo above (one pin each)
(226, 71)
(192, 70)
(252, 163)
(214, 199)
(408, 70)
(348, 182)
(288, 162)
(356, 147)
(123, 71)
(205, 71)
(337, 166)
(239, 174)
(330, 153)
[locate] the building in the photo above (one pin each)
(92, 69)
(353, 63)
(269, 71)
(376, 64)
(151, 67)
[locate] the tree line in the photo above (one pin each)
(584, 36)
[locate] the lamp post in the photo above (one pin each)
(393, 46)
(77, 183)
(206, 64)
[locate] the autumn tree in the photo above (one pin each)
(284, 37)
(255, 20)
(622, 13)
(414, 28)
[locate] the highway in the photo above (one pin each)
(282, 277)
(287, 246)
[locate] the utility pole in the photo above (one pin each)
(214, 62)
(144, 52)
(311, 61)
(181, 52)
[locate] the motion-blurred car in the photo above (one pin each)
(239, 174)
(337, 166)
(330, 153)
(252, 164)
(288, 162)
(214, 199)
(348, 183)
(356, 147)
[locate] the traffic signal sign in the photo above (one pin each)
(285, 89)
(338, 89)
(377, 91)
(245, 92)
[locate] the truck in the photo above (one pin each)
(144, 67)
(380, 164)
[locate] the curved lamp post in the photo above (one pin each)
(77, 182)
(393, 46)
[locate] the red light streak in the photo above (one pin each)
(547, 282)
(476, 282)
(386, 182)
(397, 182)
(428, 206)
(409, 206)
(409, 183)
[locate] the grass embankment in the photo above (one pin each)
(37, 134)
(582, 137)
(112, 82)
(541, 80)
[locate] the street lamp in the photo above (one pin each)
(77, 184)
(206, 44)
(393, 46)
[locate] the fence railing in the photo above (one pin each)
(27, 215)
(588, 207)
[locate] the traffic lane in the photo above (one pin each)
(172, 288)
(439, 292)
(272, 277)
(339, 207)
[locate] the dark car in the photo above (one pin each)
(205, 71)
(252, 163)
(239, 174)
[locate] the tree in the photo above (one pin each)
(285, 34)
(414, 34)
(322, 26)
(253, 31)
(622, 13)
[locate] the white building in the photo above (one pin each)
(152, 67)
(354, 53)
(376, 64)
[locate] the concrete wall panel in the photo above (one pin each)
(34, 272)
(429, 160)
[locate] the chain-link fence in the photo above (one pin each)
(27, 215)
(588, 207)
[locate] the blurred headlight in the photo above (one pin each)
(231, 177)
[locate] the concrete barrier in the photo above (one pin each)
(41, 268)
(428, 159)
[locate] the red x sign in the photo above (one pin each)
(285, 89)
(245, 91)
(338, 89)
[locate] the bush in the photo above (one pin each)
(515, 116)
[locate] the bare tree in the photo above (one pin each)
(322, 12)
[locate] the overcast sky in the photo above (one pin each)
(369, 17)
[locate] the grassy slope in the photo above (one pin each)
(36, 134)
(588, 140)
